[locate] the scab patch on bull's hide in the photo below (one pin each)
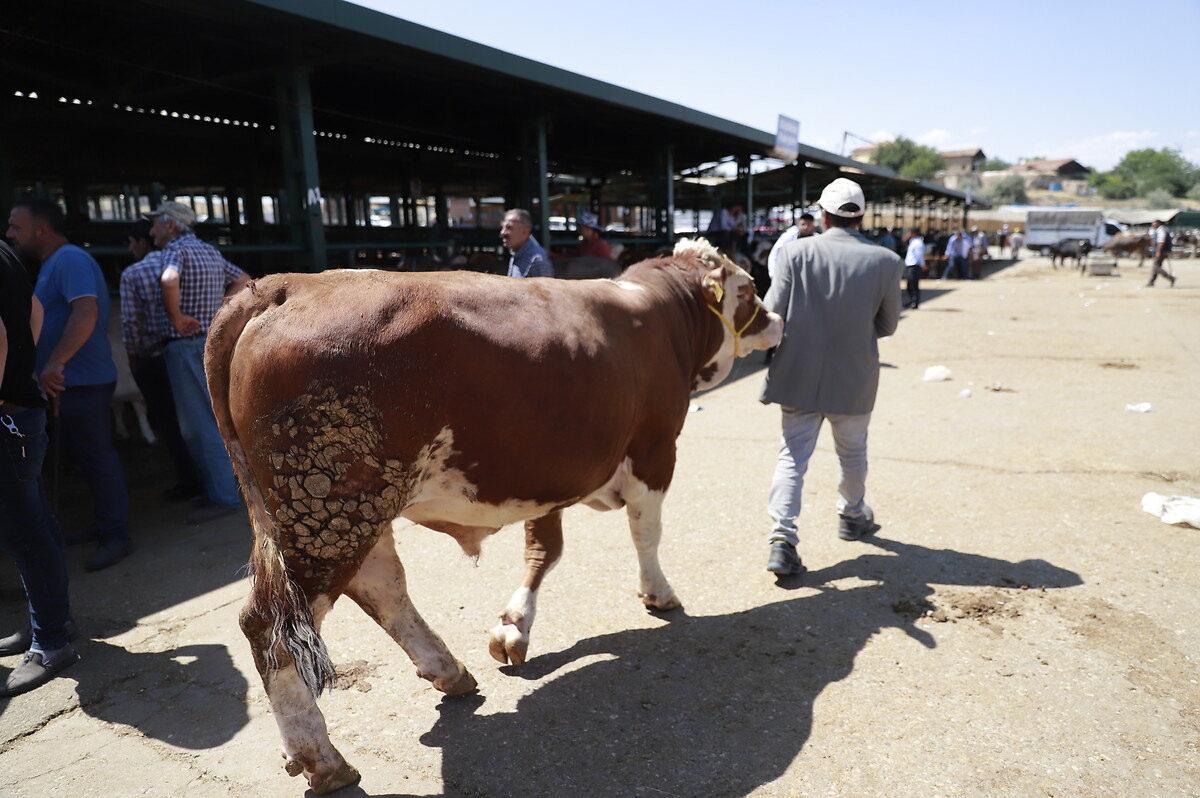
(331, 489)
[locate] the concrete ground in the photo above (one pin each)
(1018, 627)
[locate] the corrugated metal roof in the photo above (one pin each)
(378, 25)
(367, 22)
(1140, 217)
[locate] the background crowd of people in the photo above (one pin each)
(59, 368)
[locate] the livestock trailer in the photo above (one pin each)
(1049, 227)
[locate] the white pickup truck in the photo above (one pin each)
(1049, 227)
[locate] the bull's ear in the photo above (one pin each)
(714, 285)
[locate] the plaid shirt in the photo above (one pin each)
(204, 274)
(144, 323)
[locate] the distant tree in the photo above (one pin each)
(1112, 185)
(908, 158)
(1008, 190)
(995, 165)
(1158, 198)
(1194, 191)
(1165, 170)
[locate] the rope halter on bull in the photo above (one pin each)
(719, 292)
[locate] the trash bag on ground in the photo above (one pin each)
(1173, 509)
(937, 374)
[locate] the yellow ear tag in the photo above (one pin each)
(718, 289)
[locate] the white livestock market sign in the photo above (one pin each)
(787, 138)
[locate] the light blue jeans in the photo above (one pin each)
(800, 431)
(197, 425)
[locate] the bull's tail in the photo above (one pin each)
(278, 611)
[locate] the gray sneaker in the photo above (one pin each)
(784, 561)
(34, 671)
(856, 528)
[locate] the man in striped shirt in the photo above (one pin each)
(145, 330)
(196, 278)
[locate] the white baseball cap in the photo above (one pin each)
(842, 192)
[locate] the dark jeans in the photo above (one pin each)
(957, 266)
(85, 425)
(25, 534)
(912, 288)
(150, 374)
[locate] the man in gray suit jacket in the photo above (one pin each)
(837, 292)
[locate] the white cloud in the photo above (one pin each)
(934, 138)
(978, 130)
(1103, 150)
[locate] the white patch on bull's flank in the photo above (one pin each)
(645, 525)
(625, 285)
(301, 725)
(608, 496)
(444, 494)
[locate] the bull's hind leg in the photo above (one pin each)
(543, 546)
(380, 589)
(644, 507)
(306, 745)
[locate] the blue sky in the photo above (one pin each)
(1059, 78)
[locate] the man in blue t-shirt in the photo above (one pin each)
(74, 363)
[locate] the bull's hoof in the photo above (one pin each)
(461, 684)
(507, 644)
(661, 603)
(344, 776)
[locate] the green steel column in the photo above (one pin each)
(543, 184)
(670, 209)
(301, 178)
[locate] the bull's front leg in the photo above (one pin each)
(543, 546)
(644, 507)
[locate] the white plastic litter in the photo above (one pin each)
(1089, 303)
(937, 374)
(695, 408)
(965, 393)
(1140, 407)
(1173, 509)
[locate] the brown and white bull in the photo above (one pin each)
(462, 402)
(1128, 244)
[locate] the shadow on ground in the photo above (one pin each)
(716, 705)
(193, 696)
